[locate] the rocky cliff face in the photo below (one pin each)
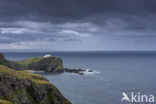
(20, 87)
(48, 64)
(3, 61)
(8, 63)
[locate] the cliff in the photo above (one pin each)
(20, 87)
(47, 64)
(8, 63)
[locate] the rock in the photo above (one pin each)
(77, 71)
(47, 64)
(20, 87)
(8, 63)
(3, 61)
(90, 70)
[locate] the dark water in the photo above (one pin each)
(115, 72)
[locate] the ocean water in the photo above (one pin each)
(115, 72)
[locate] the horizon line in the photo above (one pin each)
(48, 50)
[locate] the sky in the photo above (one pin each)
(78, 25)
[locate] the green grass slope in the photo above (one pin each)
(48, 64)
(29, 61)
(20, 87)
(5, 102)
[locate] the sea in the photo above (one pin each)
(114, 72)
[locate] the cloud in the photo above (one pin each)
(74, 34)
(12, 30)
(30, 31)
(62, 11)
(89, 23)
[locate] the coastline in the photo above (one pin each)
(20, 86)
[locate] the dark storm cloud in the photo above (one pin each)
(131, 14)
(67, 10)
(137, 14)
(30, 31)
(88, 23)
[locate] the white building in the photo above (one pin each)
(47, 55)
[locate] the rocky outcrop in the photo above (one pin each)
(20, 87)
(8, 63)
(2, 59)
(47, 64)
(77, 71)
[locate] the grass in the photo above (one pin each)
(5, 102)
(30, 61)
(26, 75)
(23, 75)
(40, 83)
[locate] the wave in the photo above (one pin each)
(89, 72)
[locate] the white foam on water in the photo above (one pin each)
(89, 72)
(86, 72)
